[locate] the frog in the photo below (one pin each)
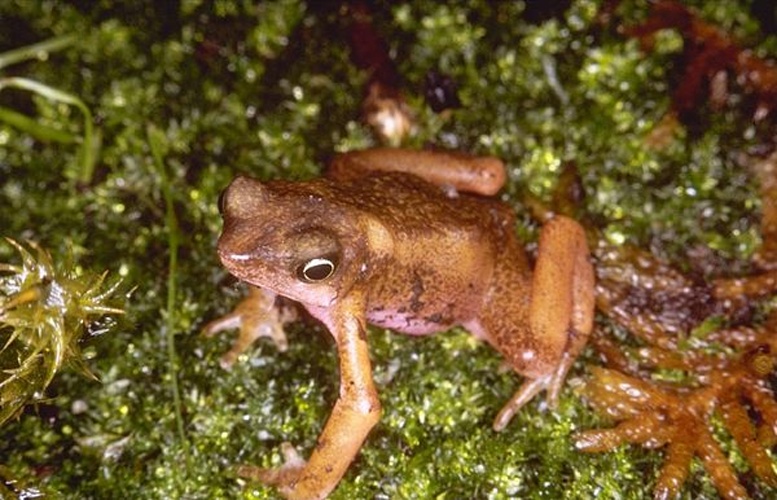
(415, 241)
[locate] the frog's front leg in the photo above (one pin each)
(257, 315)
(544, 345)
(356, 411)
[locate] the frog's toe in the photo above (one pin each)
(552, 383)
(250, 327)
(255, 316)
(226, 322)
(526, 393)
(283, 477)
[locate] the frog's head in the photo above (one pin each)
(291, 238)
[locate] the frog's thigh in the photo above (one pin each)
(544, 345)
(537, 321)
(562, 300)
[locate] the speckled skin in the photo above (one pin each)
(409, 249)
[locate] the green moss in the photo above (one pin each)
(232, 87)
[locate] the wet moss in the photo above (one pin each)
(183, 99)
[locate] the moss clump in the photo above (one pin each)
(185, 95)
(45, 311)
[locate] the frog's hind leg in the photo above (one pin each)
(541, 339)
(484, 175)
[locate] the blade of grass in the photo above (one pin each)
(37, 50)
(34, 128)
(88, 149)
(157, 144)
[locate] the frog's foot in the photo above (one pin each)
(284, 477)
(255, 316)
(552, 383)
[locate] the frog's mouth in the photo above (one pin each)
(248, 266)
(238, 257)
(253, 270)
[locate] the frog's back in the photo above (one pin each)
(404, 201)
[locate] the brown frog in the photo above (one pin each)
(407, 240)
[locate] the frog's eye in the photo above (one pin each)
(316, 270)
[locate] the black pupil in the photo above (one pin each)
(319, 271)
